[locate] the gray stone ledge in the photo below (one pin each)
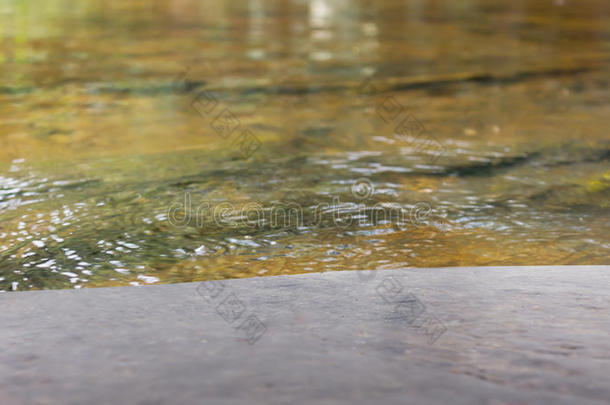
(502, 335)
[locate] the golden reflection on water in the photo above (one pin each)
(98, 136)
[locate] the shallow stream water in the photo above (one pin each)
(155, 141)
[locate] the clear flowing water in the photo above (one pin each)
(151, 141)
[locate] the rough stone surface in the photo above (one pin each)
(521, 335)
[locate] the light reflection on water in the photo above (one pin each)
(96, 142)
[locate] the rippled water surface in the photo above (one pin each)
(115, 170)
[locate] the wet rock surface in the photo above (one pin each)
(518, 335)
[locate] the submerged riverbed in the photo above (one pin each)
(485, 124)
